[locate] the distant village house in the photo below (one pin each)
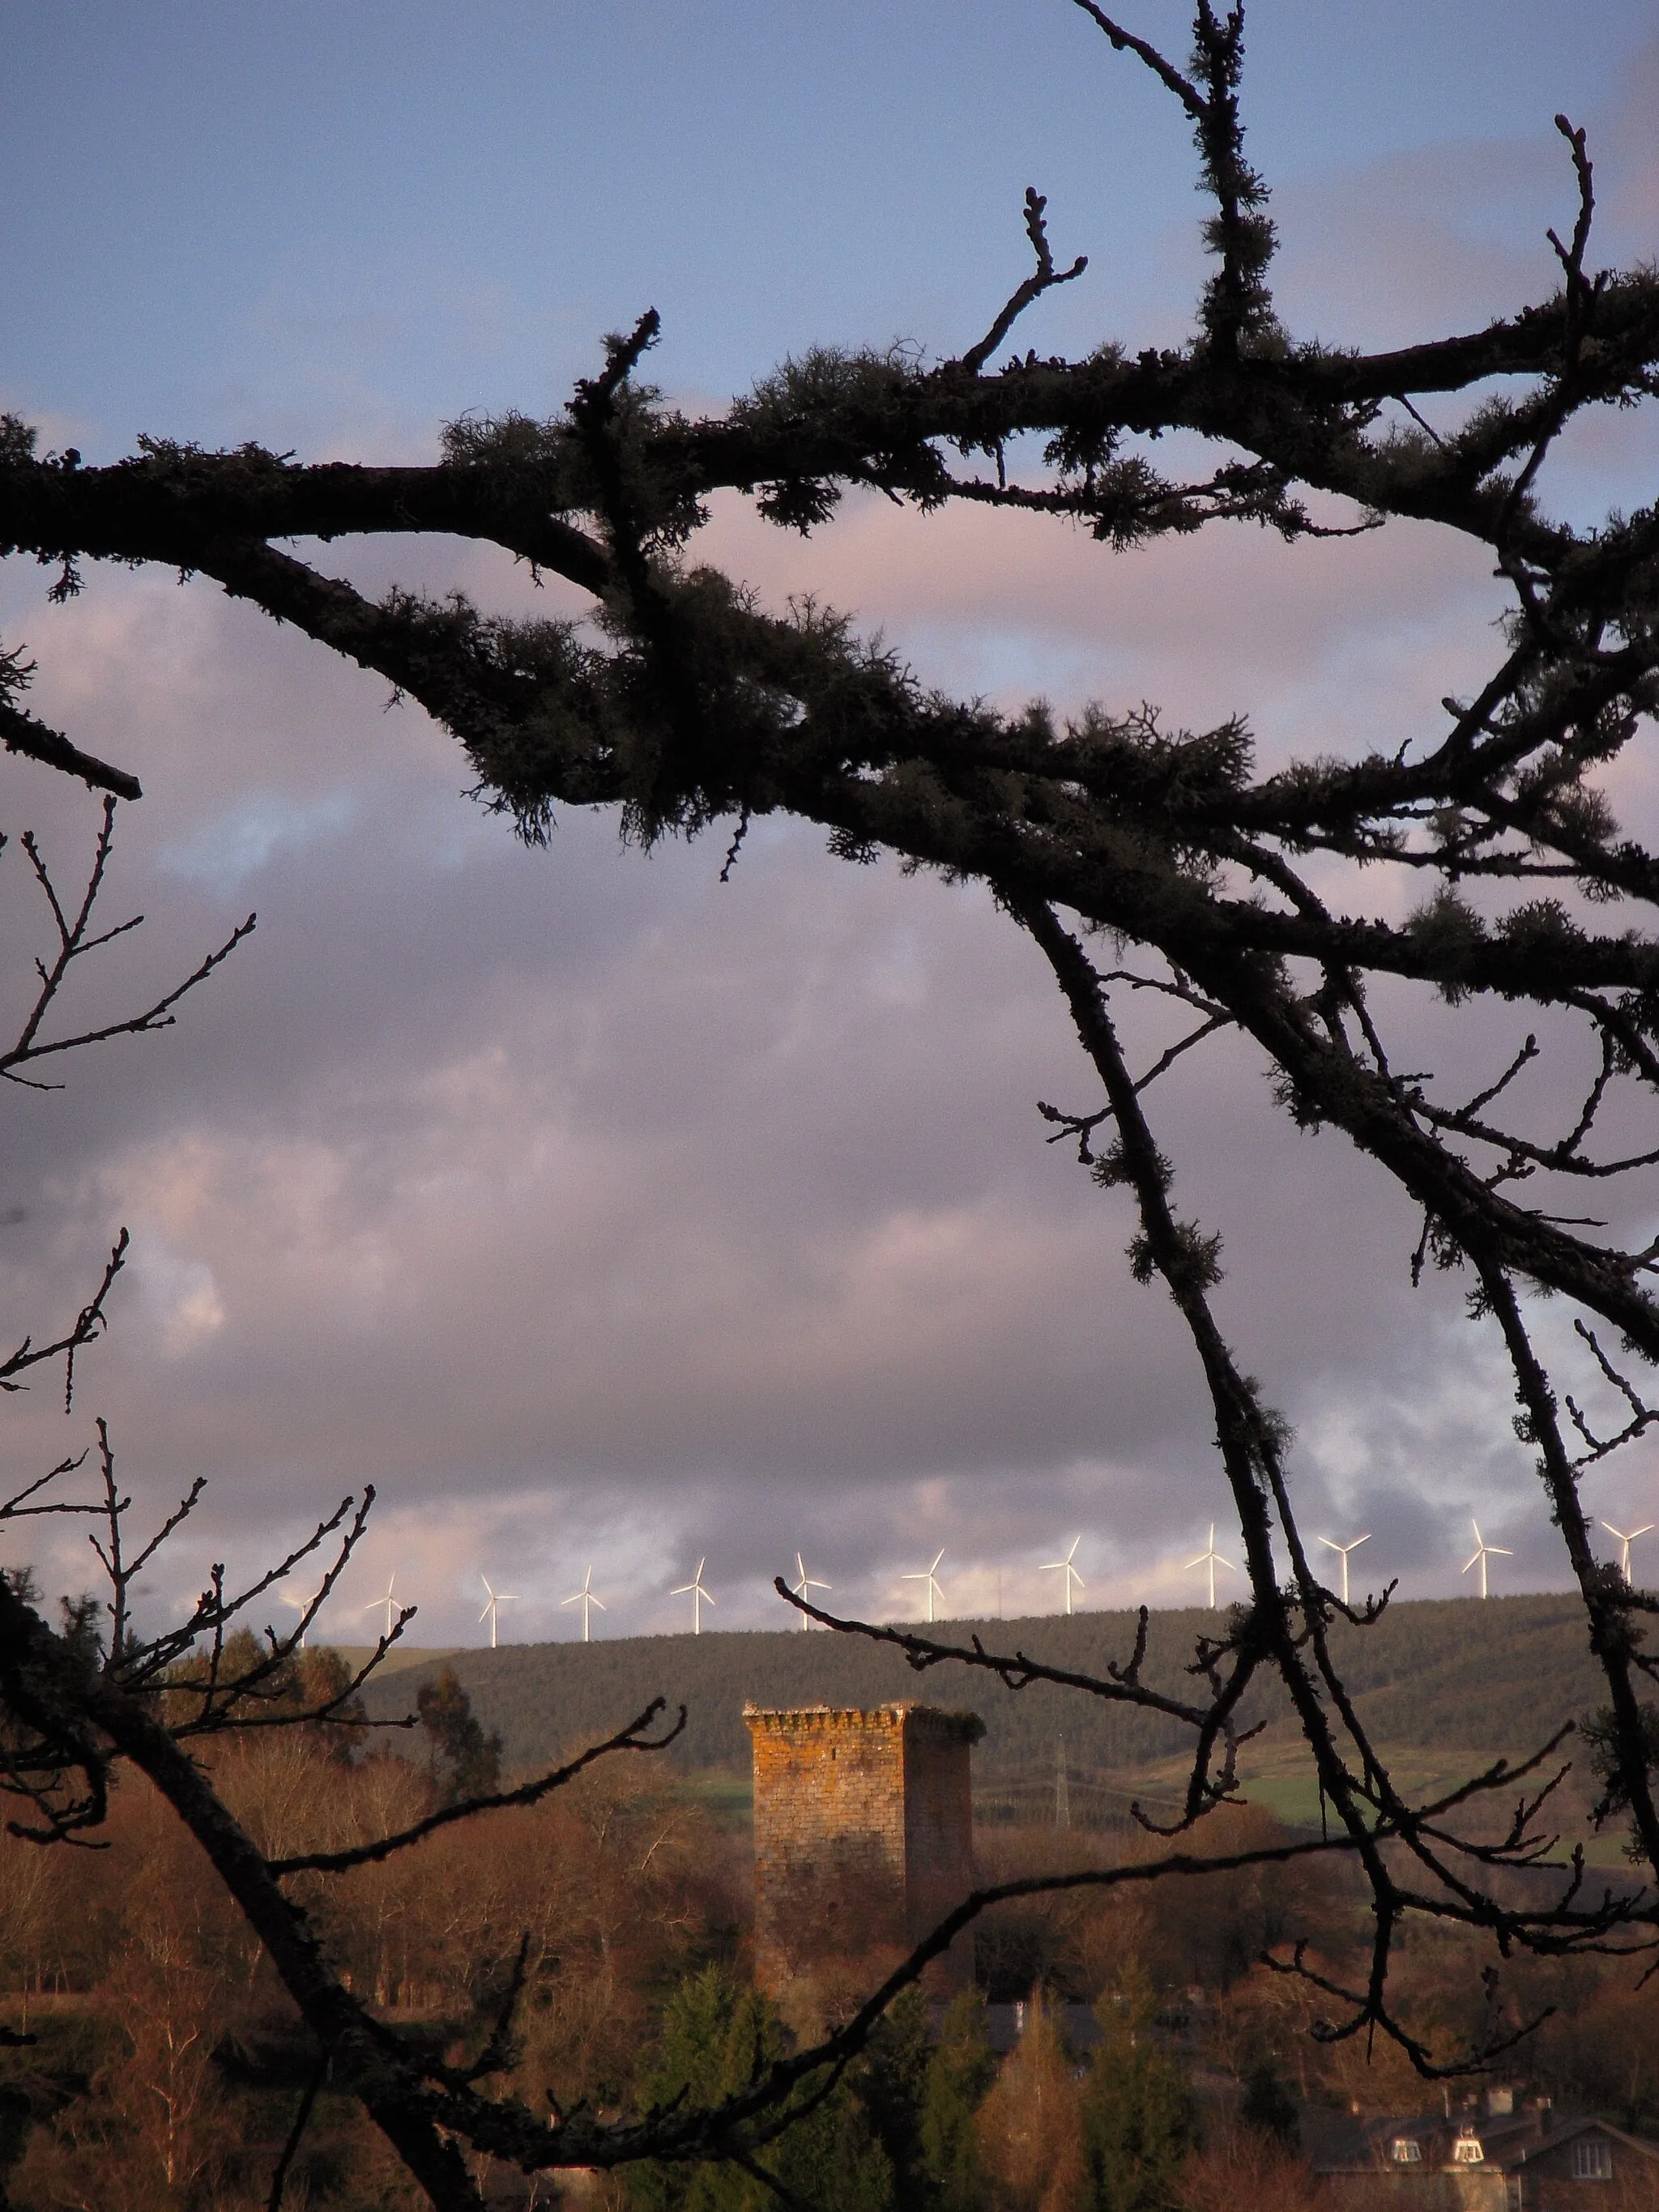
(1505, 2159)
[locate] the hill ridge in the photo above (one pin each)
(1453, 1675)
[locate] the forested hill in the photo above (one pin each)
(1451, 1675)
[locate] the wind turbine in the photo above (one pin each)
(1482, 1551)
(301, 1601)
(1065, 1567)
(1625, 1542)
(930, 1576)
(1331, 1545)
(803, 1582)
(698, 1595)
(1212, 1558)
(585, 1598)
(496, 1597)
(375, 1604)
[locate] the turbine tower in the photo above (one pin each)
(1331, 1545)
(1481, 1553)
(698, 1595)
(496, 1598)
(1212, 1558)
(1625, 1543)
(302, 1604)
(803, 1582)
(374, 1605)
(1065, 1567)
(930, 1576)
(585, 1598)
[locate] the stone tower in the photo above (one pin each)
(864, 1840)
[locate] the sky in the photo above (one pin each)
(593, 1210)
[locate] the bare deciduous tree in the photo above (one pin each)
(1146, 863)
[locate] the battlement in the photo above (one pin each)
(794, 1720)
(863, 1836)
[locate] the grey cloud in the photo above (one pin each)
(591, 1208)
(594, 1210)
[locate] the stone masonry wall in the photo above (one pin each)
(863, 1838)
(938, 1818)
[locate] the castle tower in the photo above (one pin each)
(864, 1840)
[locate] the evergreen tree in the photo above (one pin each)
(466, 1762)
(831, 2158)
(80, 1620)
(321, 1677)
(960, 2074)
(895, 2086)
(716, 2036)
(1268, 2106)
(1138, 2120)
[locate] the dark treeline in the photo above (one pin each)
(1450, 1674)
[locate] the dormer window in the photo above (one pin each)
(1468, 2150)
(1405, 2150)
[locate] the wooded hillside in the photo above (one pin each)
(1448, 1675)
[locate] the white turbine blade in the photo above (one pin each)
(1646, 1529)
(599, 1602)
(1198, 1562)
(1500, 1550)
(707, 1600)
(488, 1610)
(1475, 1525)
(1330, 1543)
(1474, 1559)
(1358, 1541)
(1620, 1535)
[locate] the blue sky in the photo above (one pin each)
(590, 1208)
(223, 212)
